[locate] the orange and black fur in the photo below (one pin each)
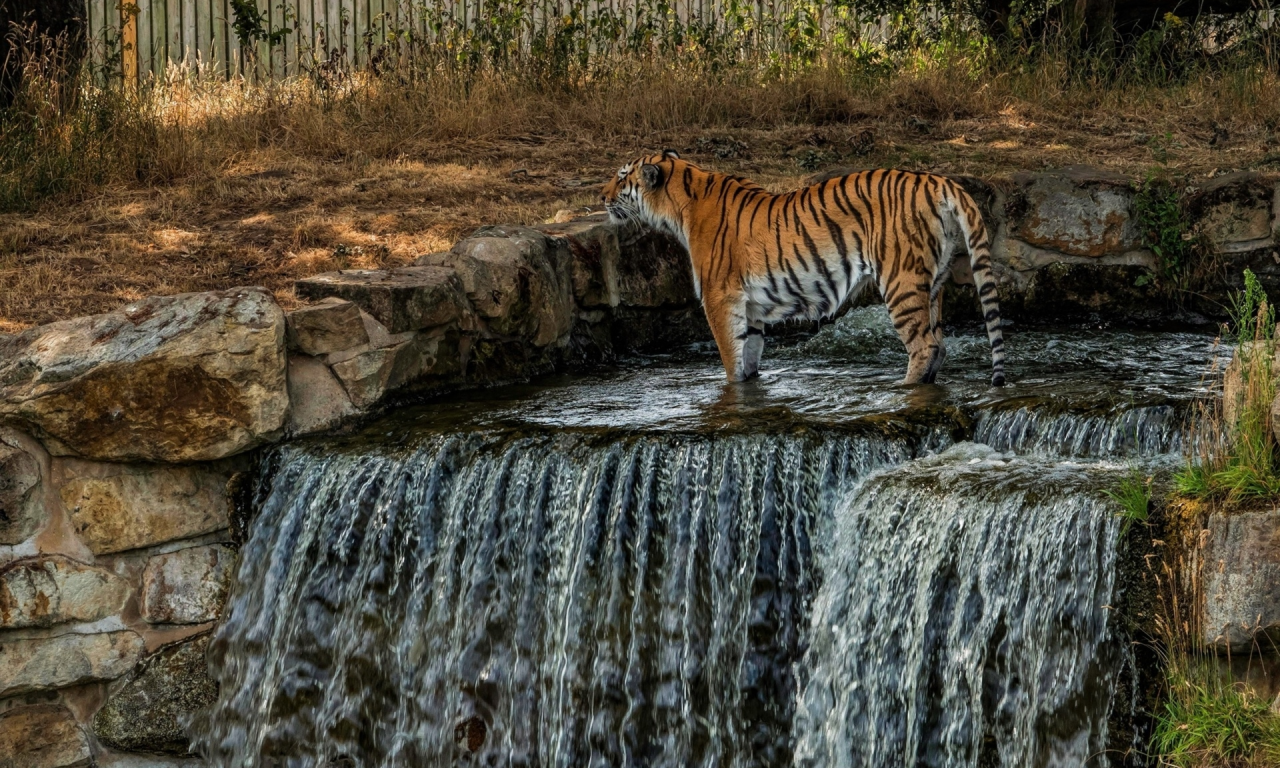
(761, 258)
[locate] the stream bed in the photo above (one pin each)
(647, 567)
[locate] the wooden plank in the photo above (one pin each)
(289, 47)
(306, 33)
(143, 24)
(233, 42)
(360, 14)
(204, 31)
(219, 32)
(129, 42)
(159, 36)
(190, 44)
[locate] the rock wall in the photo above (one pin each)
(124, 436)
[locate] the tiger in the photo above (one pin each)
(761, 258)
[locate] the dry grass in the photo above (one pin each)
(219, 185)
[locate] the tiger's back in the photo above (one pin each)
(761, 258)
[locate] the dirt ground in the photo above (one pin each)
(269, 217)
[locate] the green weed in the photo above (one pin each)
(1207, 721)
(1234, 457)
(1133, 494)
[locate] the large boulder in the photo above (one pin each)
(405, 299)
(188, 586)
(654, 271)
(1237, 212)
(48, 590)
(192, 377)
(150, 713)
(1076, 211)
(42, 736)
(120, 508)
(48, 663)
(21, 509)
(1242, 580)
(515, 280)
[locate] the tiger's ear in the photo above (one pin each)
(671, 153)
(652, 176)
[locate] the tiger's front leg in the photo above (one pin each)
(739, 346)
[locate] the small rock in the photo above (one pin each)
(53, 589)
(151, 711)
(318, 399)
(21, 510)
(330, 326)
(174, 379)
(42, 736)
(142, 507)
(404, 299)
(47, 663)
(188, 586)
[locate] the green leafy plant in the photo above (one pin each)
(1133, 494)
(1234, 457)
(1163, 225)
(1208, 721)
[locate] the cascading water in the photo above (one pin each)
(629, 602)
(964, 608)
(644, 568)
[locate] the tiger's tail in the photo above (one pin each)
(978, 243)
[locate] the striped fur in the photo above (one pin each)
(760, 258)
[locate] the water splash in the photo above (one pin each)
(635, 601)
(1139, 431)
(963, 617)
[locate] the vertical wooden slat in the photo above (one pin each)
(129, 42)
(289, 47)
(306, 34)
(360, 56)
(204, 31)
(143, 23)
(190, 44)
(333, 25)
(235, 62)
(159, 36)
(219, 32)
(173, 30)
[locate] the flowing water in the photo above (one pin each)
(646, 567)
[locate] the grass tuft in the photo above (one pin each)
(1233, 438)
(1209, 721)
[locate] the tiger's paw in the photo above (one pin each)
(997, 380)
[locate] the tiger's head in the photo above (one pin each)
(639, 192)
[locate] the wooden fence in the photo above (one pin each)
(137, 37)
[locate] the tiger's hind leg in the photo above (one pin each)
(939, 353)
(911, 311)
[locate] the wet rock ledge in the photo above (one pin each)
(124, 437)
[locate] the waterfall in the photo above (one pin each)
(963, 617)
(582, 599)
(593, 601)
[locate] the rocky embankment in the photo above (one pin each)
(126, 438)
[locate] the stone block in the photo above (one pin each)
(330, 326)
(368, 376)
(48, 663)
(1242, 579)
(654, 271)
(22, 510)
(594, 251)
(150, 712)
(182, 378)
(318, 400)
(42, 736)
(48, 590)
(188, 586)
(1237, 212)
(514, 279)
(405, 299)
(138, 507)
(1076, 211)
